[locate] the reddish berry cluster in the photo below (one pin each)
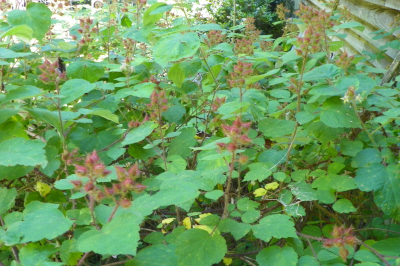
(251, 31)
(240, 72)
(238, 134)
(344, 60)
(341, 236)
(157, 105)
(87, 30)
(214, 37)
(51, 72)
(217, 103)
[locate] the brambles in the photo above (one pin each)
(164, 139)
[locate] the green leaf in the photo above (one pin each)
(175, 74)
(175, 47)
(273, 128)
(365, 256)
(327, 71)
(303, 191)
(23, 152)
(174, 114)
(276, 256)
(181, 144)
(365, 157)
(258, 171)
(388, 247)
(371, 177)
(37, 16)
(35, 254)
(388, 197)
(7, 53)
(282, 225)
(24, 92)
(74, 89)
(214, 195)
(336, 114)
(343, 206)
(245, 204)
(14, 172)
(120, 236)
(350, 148)
(143, 90)
(126, 22)
(308, 261)
(154, 13)
(139, 133)
(41, 220)
(155, 255)
(69, 253)
(197, 247)
(238, 230)
(6, 113)
(49, 117)
(349, 25)
(103, 113)
(7, 197)
(88, 70)
(250, 216)
(23, 32)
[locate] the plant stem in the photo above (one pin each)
(353, 103)
(228, 187)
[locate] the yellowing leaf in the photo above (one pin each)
(227, 261)
(259, 192)
(43, 189)
(186, 222)
(201, 216)
(272, 186)
(168, 220)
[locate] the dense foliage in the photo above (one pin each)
(130, 135)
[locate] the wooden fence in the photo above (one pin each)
(374, 15)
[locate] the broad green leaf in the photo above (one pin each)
(254, 79)
(74, 89)
(303, 191)
(214, 195)
(23, 92)
(272, 127)
(103, 113)
(6, 113)
(143, 90)
(276, 256)
(41, 220)
(175, 47)
(155, 255)
(139, 133)
(352, 24)
(37, 16)
(7, 197)
(307, 261)
(197, 247)
(69, 253)
(231, 107)
(23, 152)
(371, 177)
(47, 116)
(388, 247)
(181, 144)
(327, 71)
(282, 225)
(250, 216)
(120, 236)
(14, 172)
(245, 204)
(336, 114)
(350, 148)
(238, 230)
(365, 157)
(258, 171)
(325, 255)
(388, 197)
(23, 32)
(365, 256)
(343, 206)
(154, 13)
(174, 113)
(88, 70)
(175, 74)
(154, 238)
(35, 254)
(7, 53)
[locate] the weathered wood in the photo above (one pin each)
(395, 4)
(393, 70)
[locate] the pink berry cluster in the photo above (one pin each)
(157, 105)
(241, 71)
(51, 72)
(341, 236)
(310, 43)
(4, 5)
(238, 134)
(344, 60)
(218, 103)
(214, 37)
(95, 169)
(129, 45)
(244, 46)
(317, 18)
(57, 6)
(251, 31)
(87, 30)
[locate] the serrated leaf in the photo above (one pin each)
(365, 157)
(258, 171)
(197, 247)
(41, 220)
(276, 256)
(175, 47)
(23, 32)
(181, 144)
(327, 71)
(303, 191)
(37, 16)
(245, 204)
(120, 236)
(7, 197)
(7, 53)
(69, 253)
(74, 89)
(388, 197)
(214, 195)
(336, 114)
(154, 13)
(146, 257)
(273, 128)
(174, 113)
(23, 152)
(238, 230)
(139, 133)
(47, 116)
(35, 254)
(88, 70)
(282, 225)
(343, 206)
(371, 177)
(23, 92)
(106, 114)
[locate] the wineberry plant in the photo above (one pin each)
(143, 134)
